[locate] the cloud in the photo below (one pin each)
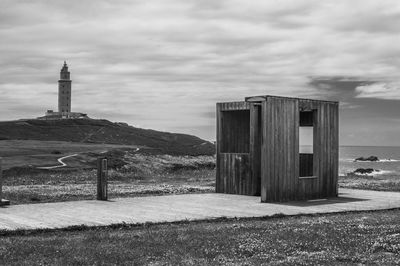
(164, 64)
(380, 90)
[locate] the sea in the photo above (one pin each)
(388, 164)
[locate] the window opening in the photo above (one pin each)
(306, 143)
(236, 131)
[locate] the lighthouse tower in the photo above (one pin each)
(64, 92)
(64, 99)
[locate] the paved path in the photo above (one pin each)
(180, 207)
(60, 160)
(62, 164)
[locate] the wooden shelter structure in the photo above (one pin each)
(258, 149)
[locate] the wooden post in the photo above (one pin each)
(2, 201)
(102, 179)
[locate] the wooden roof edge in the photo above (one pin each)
(261, 98)
(243, 102)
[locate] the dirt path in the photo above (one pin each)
(62, 164)
(60, 160)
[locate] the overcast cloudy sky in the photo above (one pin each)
(164, 64)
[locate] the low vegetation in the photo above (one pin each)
(29, 154)
(136, 173)
(370, 182)
(131, 174)
(352, 238)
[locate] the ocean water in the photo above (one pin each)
(388, 164)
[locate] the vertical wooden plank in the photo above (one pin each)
(323, 150)
(275, 154)
(252, 148)
(332, 161)
(271, 150)
(242, 174)
(226, 173)
(293, 148)
(234, 174)
(247, 175)
(218, 181)
(284, 155)
(327, 150)
(280, 155)
(231, 176)
(324, 156)
(220, 175)
(328, 145)
(287, 136)
(239, 161)
(296, 151)
(335, 144)
(236, 184)
(289, 150)
(318, 150)
(230, 173)
(265, 150)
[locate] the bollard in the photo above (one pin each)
(102, 179)
(2, 201)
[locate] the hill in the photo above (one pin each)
(104, 131)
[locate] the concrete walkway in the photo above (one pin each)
(180, 207)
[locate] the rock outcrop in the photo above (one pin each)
(364, 171)
(370, 158)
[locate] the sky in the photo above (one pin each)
(165, 64)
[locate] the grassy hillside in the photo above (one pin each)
(33, 153)
(104, 131)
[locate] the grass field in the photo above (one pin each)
(141, 175)
(78, 185)
(352, 238)
(22, 153)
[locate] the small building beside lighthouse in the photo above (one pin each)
(64, 98)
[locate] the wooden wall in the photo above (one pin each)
(238, 148)
(255, 150)
(234, 174)
(280, 149)
(280, 179)
(326, 151)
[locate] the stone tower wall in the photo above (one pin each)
(64, 91)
